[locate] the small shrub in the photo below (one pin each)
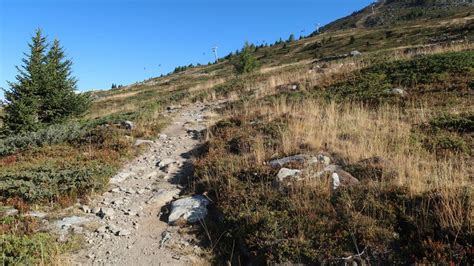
(463, 123)
(50, 184)
(51, 135)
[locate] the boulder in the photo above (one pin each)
(300, 158)
(9, 212)
(67, 222)
(397, 92)
(341, 178)
(324, 158)
(129, 125)
(355, 53)
(189, 209)
(286, 173)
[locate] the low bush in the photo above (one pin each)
(51, 135)
(462, 123)
(50, 184)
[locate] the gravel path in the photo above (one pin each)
(130, 231)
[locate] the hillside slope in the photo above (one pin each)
(378, 110)
(390, 13)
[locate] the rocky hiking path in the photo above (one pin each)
(124, 226)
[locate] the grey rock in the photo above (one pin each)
(85, 208)
(139, 142)
(36, 214)
(162, 196)
(324, 158)
(101, 229)
(123, 232)
(300, 158)
(105, 212)
(397, 92)
(96, 210)
(10, 212)
(190, 209)
(128, 125)
(165, 162)
(286, 173)
(355, 53)
(341, 178)
(67, 222)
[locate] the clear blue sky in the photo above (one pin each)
(124, 41)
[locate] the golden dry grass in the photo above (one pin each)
(357, 132)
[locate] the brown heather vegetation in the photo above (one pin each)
(415, 205)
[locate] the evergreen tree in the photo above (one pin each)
(291, 38)
(44, 91)
(59, 100)
(246, 61)
(22, 101)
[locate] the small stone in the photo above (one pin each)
(106, 212)
(85, 208)
(123, 232)
(96, 210)
(113, 229)
(101, 229)
(115, 190)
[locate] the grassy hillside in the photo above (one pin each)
(390, 13)
(412, 153)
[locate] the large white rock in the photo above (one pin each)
(190, 209)
(285, 173)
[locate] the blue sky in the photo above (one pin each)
(125, 41)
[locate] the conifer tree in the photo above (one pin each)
(44, 91)
(291, 38)
(246, 61)
(59, 100)
(22, 101)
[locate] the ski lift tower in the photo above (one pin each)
(214, 50)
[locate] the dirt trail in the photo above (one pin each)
(130, 231)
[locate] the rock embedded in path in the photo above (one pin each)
(139, 142)
(163, 196)
(85, 208)
(189, 209)
(105, 213)
(165, 163)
